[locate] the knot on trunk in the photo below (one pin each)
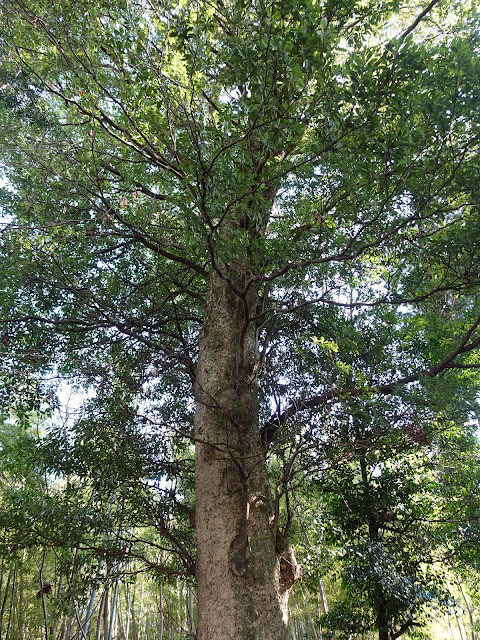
(289, 570)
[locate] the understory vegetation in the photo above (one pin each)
(80, 558)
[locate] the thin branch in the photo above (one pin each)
(417, 21)
(151, 243)
(138, 186)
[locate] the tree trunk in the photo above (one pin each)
(382, 620)
(12, 603)
(113, 610)
(98, 632)
(105, 614)
(160, 612)
(469, 607)
(244, 572)
(5, 597)
(190, 611)
(323, 597)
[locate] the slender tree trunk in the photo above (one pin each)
(160, 612)
(128, 610)
(460, 625)
(292, 626)
(2, 567)
(21, 596)
(244, 572)
(105, 613)
(452, 631)
(12, 603)
(98, 631)
(323, 597)
(180, 610)
(113, 611)
(134, 633)
(190, 610)
(468, 605)
(93, 596)
(5, 597)
(41, 592)
(373, 531)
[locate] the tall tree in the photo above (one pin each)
(214, 206)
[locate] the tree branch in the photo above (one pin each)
(140, 187)
(417, 21)
(150, 243)
(404, 627)
(276, 420)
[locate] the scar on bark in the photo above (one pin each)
(289, 569)
(238, 555)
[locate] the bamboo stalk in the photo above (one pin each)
(160, 631)
(190, 609)
(105, 614)
(460, 625)
(98, 630)
(14, 586)
(93, 595)
(134, 621)
(5, 597)
(42, 593)
(468, 604)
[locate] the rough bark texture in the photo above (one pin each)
(243, 577)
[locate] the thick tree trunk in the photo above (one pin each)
(243, 576)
